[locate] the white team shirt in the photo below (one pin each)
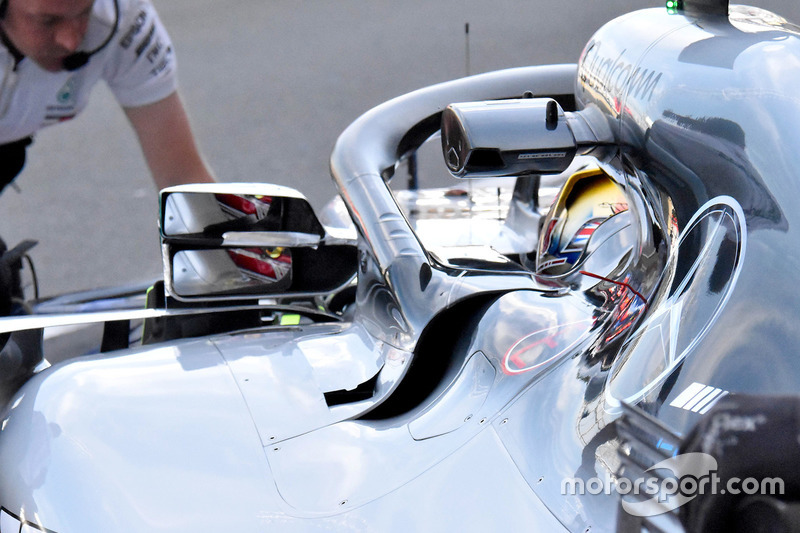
(138, 64)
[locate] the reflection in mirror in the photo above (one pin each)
(200, 214)
(231, 270)
(256, 271)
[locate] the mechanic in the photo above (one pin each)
(55, 51)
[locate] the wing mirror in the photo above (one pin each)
(516, 137)
(224, 241)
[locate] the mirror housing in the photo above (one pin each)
(229, 241)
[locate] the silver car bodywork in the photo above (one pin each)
(459, 389)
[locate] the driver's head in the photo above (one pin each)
(588, 199)
(46, 31)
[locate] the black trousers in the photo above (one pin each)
(12, 159)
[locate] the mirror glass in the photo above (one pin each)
(231, 271)
(212, 215)
(255, 272)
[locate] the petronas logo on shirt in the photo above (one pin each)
(64, 106)
(66, 94)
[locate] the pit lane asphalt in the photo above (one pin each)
(269, 86)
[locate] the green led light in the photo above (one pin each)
(674, 5)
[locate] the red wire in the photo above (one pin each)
(620, 283)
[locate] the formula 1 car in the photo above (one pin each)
(516, 352)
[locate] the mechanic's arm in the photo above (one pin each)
(167, 142)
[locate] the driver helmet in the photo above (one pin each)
(588, 199)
